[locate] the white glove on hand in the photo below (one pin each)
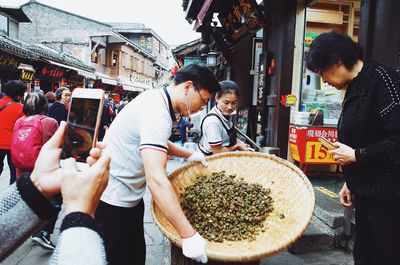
(194, 247)
(198, 156)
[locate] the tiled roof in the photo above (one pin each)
(38, 51)
(122, 26)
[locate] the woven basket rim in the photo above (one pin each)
(256, 255)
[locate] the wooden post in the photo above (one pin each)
(177, 258)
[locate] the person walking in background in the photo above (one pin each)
(217, 129)
(369, 143)
(10, 112)
(30, 133)
(51, 98)
(58, 110)
(184, 127)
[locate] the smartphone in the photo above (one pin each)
(326, 143)
(83, 123)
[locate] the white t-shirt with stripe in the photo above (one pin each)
(214, 132)
(144, 123)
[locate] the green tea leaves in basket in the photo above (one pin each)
(223, 207)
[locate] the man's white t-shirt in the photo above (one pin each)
(145, 122)
(214, 131)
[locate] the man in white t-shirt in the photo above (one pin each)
(137, 142)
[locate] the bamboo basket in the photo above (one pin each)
(291, 191)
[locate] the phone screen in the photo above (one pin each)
(81, 127)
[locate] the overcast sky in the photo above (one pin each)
(166, 17)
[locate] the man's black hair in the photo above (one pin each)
(201, 76)
(331, 48)
(228, 86)
(35, 103)
(15, 88)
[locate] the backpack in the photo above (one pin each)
(26, 142)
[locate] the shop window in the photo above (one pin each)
(102, 56)
(4, 25)
(325, 17)
(114, 58)
(133, 63)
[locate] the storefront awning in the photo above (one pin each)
(80, 72)
(131, 88)
(135, 86)
(106, 79)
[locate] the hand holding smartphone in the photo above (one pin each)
(326, 143)
(83, 123)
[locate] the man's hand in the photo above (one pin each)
(345, 196)
(194, 247)
(343, 154)
(81, 191)
(198, 156)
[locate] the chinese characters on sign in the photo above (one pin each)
(55, 73)
(27, 76)
(7, 61)
(141, 79)
(306, 147)
(241, 19)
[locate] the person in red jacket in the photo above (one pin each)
(10, 112)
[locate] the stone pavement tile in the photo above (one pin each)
(158, 255)
(153, 235)
(284, 258)
(331, 257)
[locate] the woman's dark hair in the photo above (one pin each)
(14, 88)
(228, 86)
(35, 103)
(201, 76)
(331, 48)
(51, 97)
(59, 92)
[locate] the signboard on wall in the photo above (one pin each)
(8, 62)
(241, 19)
(194, 60)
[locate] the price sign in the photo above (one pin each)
(295, 152)
(315, 152)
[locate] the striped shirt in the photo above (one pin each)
(145, 123)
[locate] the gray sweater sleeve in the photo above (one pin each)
(20, 207)
(17, 220)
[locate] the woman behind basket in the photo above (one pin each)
(30, 133)
(369, 147)
(217, 129)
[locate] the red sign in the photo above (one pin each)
(305, 146)
(54, 73)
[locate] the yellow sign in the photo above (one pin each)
(327, 192)
(291, 100)
(316, 153)
(295, 152)
(27, 76)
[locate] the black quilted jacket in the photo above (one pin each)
(370, 123)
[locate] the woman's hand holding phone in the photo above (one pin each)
(47, 176)
(343, 154)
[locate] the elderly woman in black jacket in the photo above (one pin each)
(369, 143)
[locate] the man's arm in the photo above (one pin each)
(178, 151)
(162, 191)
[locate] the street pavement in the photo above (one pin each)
(158, 247)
